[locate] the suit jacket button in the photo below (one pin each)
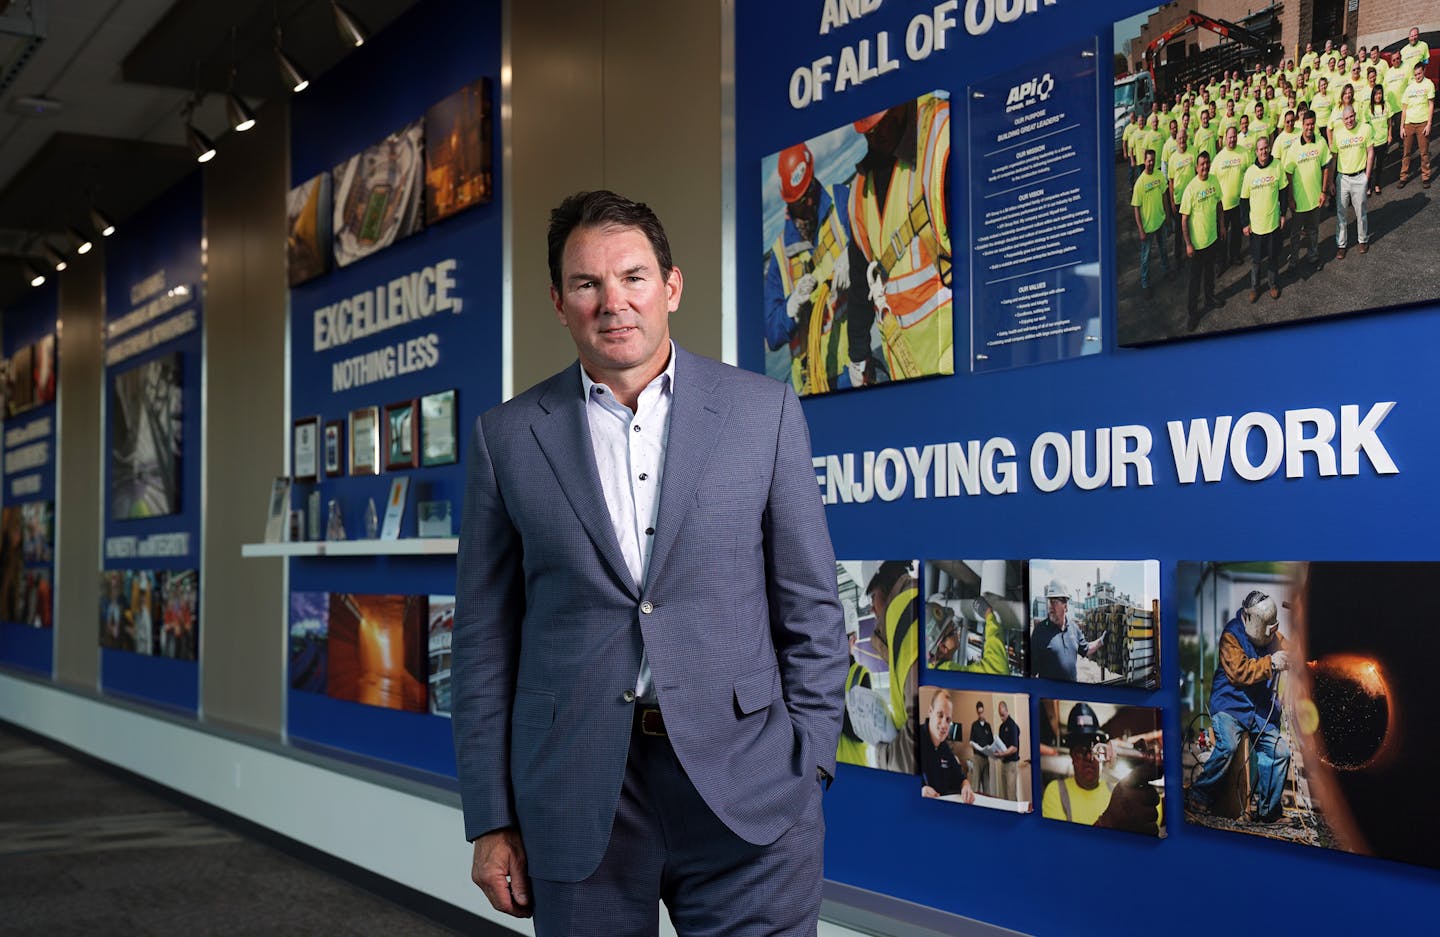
(628, 696)
(646, 608)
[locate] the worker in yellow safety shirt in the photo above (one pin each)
(900, 258)
(894, 596)
(807, 276)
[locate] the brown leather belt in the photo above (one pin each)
(649, 721)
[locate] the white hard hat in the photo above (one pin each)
(1056, 590)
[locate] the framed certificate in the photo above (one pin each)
(402, 435)
(305, 450)
(335, 448)
(437, 429)
(365, 441)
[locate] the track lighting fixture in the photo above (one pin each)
(57, 259)
(351, 32)
(295, 78)
(82, 243)
(33, 274)
(241, 117)
(202, 146)
(102, 222)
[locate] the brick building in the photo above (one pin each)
(1291, 22)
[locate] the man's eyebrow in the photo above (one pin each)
(581, 276)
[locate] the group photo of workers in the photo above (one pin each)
(1259, 183)
(975, 616)
(975, 748)
(1102, 765)
(881, 602)
(857, 259)
(1304, 703)
(1095, 621)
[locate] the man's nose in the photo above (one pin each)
(612, 299)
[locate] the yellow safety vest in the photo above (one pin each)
(909, 239)
(814, 367)
(903, 645)
(851, 750)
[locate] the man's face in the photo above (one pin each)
(1414, 36)
(1004, 711)
(1085, 762)
(803, 210)
(980, 711)
(940, 709)
(1262, 150)
(1307, 127)
(1289, 121)
(1419, 73)
(1350, 120)
(1202, 166)
(878, 605)
(615, 300)
(1058, 605)
(1261, 624)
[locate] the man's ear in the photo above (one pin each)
(559, 306)
(674, 286)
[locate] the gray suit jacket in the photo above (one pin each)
(739, 616)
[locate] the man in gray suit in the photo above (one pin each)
(649, 653)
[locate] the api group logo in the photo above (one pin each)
(1030, 92)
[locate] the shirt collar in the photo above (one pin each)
(587, 386)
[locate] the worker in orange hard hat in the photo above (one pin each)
(900, 251)
(807, 275)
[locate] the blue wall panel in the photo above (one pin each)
(433, 50)
(1025, 872)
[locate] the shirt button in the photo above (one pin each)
(646, 608)
(637, 427)
(628, 696)
(649, 531)
(643, 476)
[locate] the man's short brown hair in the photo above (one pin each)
(599, 209)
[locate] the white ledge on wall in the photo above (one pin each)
(409, 546)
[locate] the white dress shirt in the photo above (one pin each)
(630, 457)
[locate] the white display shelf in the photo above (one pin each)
(410, 546)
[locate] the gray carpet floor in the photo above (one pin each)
(85, 853)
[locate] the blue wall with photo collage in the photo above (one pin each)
(152, 452)
(1025, 872)
(435, 50)
(27, 551)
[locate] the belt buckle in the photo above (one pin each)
(651, 722)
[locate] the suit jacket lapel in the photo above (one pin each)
(564, 436)
(696, 416)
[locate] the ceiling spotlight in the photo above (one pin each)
(200, 145)
(57, 259)
(295, 78)
(350, 29)
(34, 275)
(82, 243)
(102, 222)
(241, 117)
